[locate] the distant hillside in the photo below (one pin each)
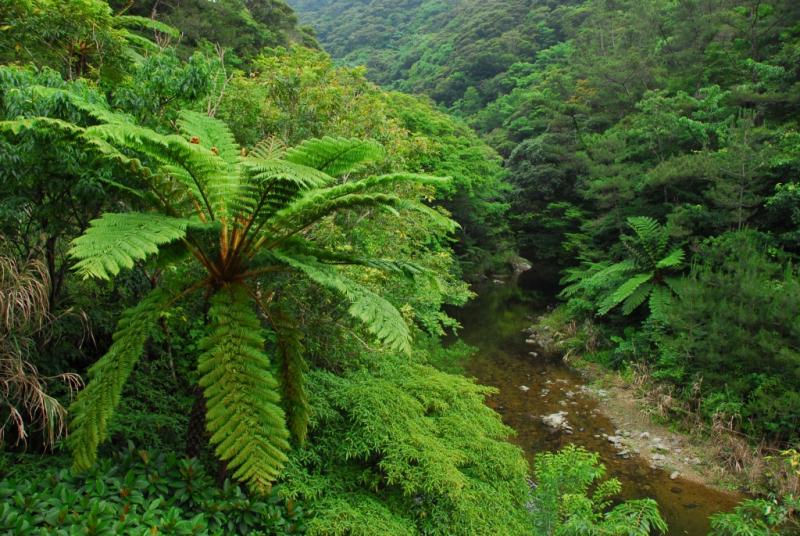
(437, 47)
(243, 27)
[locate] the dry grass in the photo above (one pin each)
(25, 404)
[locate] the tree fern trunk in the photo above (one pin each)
(196, 430)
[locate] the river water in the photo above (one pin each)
(494, 324)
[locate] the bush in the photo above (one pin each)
(136, 493)
(562, 503)
(734, 336)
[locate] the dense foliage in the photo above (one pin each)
(219, 243)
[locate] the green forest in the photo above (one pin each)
(241, 241)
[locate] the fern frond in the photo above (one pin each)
(192, 165)
(336, 156)
(210, 133)
(319, 203)
(623, 292)
(673, 260)
(652, 237)
(636, 298)
(92, 410)
(271, 148)
(660, 300)
(307, 248)
(292, 368)
(246, 422)
(116, 241)
(379, 316)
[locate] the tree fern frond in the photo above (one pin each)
(336, 156)
(270, 148)
(660, 300)
(636, 298)
(206, 176)
(623, 292)
(47, 124)
(292, 368)
(210, 133)
(116, 241)
(92, 410)
(307, 248)
(379, 316)
(651, 237)
(246, 422)
(673, 260)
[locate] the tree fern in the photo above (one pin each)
(244, 417)
(241, 218)
(641, 278)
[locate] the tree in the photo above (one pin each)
(219, 222)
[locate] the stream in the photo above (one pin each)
(494, 323)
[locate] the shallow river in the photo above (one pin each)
(493, 323)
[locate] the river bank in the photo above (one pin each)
(551, 405)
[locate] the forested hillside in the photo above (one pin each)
(654, 154)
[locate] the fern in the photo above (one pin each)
(380, 317)
(632, 281)
(116, 241)
(95, 405)
(336, 156)
(240, 218)
(244, 417)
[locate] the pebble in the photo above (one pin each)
(674, 475)
(524, 388)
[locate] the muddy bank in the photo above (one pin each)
(550, 406)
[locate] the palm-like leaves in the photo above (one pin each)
(630, 283)
(241, 217)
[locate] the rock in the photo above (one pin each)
(658, 459)
(557, 421)
(674, 475)
(530, 341)
(644, 435)
(533, 354)
(524, 388)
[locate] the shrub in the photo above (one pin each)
(135, 493)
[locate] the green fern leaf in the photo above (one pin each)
(246, 422)
(336, 156)
(92, 410)
(623, 292)
(292, 367)
(116, 241)
(210, 133)
(636, 298)
(379, 316)
(673, 260)
(660, 300)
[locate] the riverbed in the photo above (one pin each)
(530, 387)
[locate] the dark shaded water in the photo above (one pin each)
(493, 323)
